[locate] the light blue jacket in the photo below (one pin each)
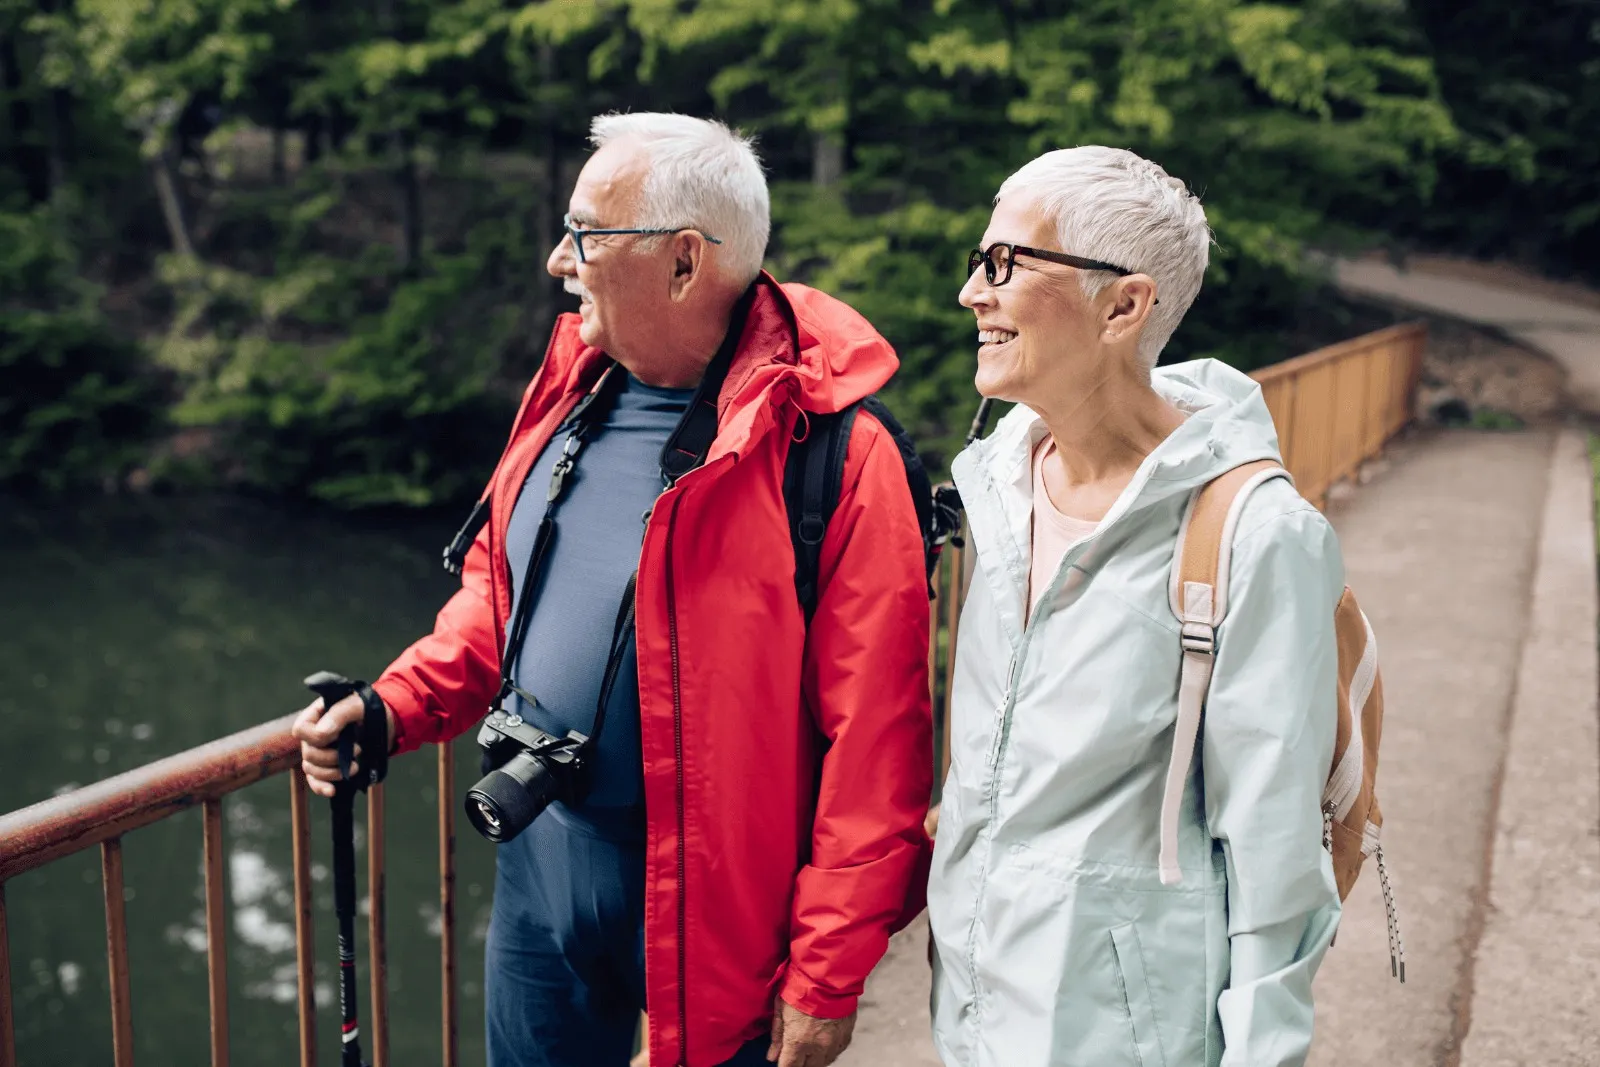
(1056, 942)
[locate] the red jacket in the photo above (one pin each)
(786, 772)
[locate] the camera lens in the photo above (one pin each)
(507, 800)
(490, 819)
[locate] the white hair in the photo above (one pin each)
(702, 174)
(1112, 205)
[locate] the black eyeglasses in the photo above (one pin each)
(999, 257)
(578, 233)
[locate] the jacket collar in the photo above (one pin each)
(1228, 424)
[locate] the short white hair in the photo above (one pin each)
(1112, 205)
(702, 174)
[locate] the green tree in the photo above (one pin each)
(352, 320)
(1523, 182)
(1285, 117)
(75, 407)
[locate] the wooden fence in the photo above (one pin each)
(1335, 408)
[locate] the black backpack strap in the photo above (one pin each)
(812, 480)
(916, 479)
(690, 441)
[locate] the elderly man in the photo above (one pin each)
(1097, 896)
(749, 832)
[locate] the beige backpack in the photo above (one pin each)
(1351, 820)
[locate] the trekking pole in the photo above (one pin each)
(980, 420)
(333, 688)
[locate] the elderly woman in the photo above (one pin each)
(1058, 940)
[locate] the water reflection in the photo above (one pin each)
(135, 629)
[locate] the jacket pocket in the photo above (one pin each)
(1136, 995)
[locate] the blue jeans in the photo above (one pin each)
(564, 964)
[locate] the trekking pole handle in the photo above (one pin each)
(333, 688)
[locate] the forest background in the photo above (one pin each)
(296, 247)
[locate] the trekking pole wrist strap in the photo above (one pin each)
(374, 735)
(371, 733)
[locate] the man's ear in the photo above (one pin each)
(1131, 299)
(690, 261)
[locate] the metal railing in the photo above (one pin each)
(1334, 409)
(101, 814)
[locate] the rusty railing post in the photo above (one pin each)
(447, 904)
(117, 952)
(300, 818)
(216, 932)
(8, 1029)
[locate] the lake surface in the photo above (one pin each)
(131, 629)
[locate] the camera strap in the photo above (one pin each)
(620, 633)
(685, 449)
(589, 413)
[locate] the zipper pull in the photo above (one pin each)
(564, 465)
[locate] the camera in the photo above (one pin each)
(524, 770)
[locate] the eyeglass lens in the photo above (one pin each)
(576, 234)
(996, 260)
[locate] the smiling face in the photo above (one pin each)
(624, 283)
(1037, 332)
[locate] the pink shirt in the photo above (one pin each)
(1053, 532)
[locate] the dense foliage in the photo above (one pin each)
(316, 228)
(1523, 178)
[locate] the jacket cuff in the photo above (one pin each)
(801, 993)
(398, 698)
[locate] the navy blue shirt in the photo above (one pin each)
(599, 533)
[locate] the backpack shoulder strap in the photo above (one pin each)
(1198, 593)
(812, 479)
(1205, 541)
(917, 480)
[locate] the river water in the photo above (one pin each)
(131, 629)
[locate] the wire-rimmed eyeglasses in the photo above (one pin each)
(578, 233)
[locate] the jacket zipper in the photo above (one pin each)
(996, 756)
(677, 744)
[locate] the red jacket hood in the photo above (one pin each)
(843, 358)
(793, 332)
